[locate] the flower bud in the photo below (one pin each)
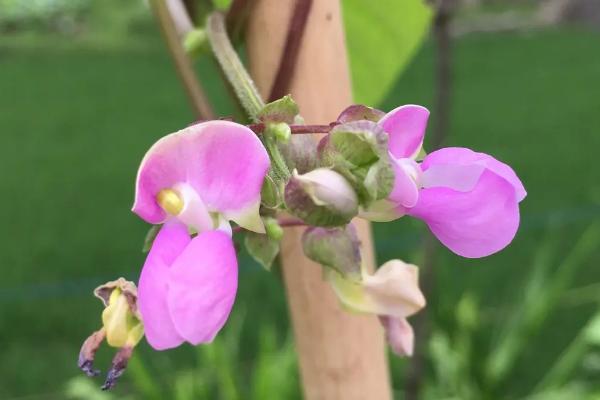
(273, 229)
(321, 197)
(300, 153)
(280, 131)
(196, 42)
(337, 248)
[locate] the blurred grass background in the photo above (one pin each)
(81, 102)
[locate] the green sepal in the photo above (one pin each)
(150, 236)
(271, 195)
(284, 109)
(358, 151)
(262, 248)
(358, 112)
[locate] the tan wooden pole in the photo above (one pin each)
(342, 355)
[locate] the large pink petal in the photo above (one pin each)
(461, 157)
(153, 286)
(202, 286)
(223, 161)
(405, 126)
(472, 224)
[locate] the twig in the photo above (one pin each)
(232, 66)
(180, 16)
(289, 56)
(298, 129)
(283, 222)
(186, 73)
(236, 17)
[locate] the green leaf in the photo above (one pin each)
(263, 249)
(382, 37)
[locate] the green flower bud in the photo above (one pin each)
(336, 248)
(273, 229)
(196, 43)
(280, 131)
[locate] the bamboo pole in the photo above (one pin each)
(341, 355)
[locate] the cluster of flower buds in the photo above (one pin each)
(192, 184)
(369, 167)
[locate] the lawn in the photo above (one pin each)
(77, 119)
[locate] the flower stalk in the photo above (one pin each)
(259, 128)
(232, 66)
(243, 86)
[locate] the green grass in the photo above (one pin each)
(76, 120)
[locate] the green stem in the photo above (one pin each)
(279, 167)
(231, 65)
(244, 87)
(185, 70)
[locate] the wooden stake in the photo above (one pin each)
(342, 355)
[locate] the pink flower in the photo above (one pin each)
(469, 200)
(203, 176)
(187, 286)
(198, 178)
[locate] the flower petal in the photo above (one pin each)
(194, 213)
(382, 211)
(153, 286)
(407, 175)
(223, 161)
(460, 156)
(393, 290)
(472, 224)
(202, 286)
(248, 217)
(399, 334)
(405, 126)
